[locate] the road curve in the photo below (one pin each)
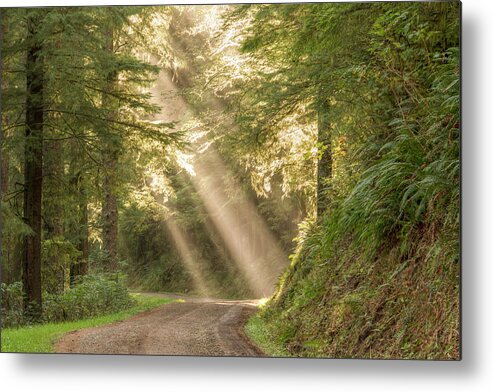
(198, 326)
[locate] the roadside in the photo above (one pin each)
(258, 332)
(41, 338)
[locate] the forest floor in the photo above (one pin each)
(195, 326)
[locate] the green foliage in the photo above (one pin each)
(12, 304)
(378, 276)
(57, 255)
(84, 117)
(272, 90)
(13, 232)
(155, 263)
(93, 295)
(258, 332)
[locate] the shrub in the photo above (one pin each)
(94, 295)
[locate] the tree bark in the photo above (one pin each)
(324, 166)
(33, 171)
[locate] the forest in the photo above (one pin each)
(307, 155)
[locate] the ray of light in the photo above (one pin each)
(185, 247)
(188, 257)
(244, 232)
(253, 248)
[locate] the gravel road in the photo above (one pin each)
(198, 326)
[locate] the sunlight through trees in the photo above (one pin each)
(308, 153)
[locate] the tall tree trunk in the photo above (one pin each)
(110, 162)
(33, 170)
(324, 167)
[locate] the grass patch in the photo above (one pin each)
(257, 331)
(41, 338)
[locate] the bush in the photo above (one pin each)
(94, 295)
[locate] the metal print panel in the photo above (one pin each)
(259, 180)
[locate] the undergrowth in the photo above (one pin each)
(41, 338)
(378, 275)
(93, 295)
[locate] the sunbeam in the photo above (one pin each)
(253, 249)
(251, 244)
(187, 256)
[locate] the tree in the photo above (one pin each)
(84, 98)
(295, 56)
(33, 165)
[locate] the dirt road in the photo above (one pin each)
(198, 326)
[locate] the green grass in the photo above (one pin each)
(258, 332)
(41, 338)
